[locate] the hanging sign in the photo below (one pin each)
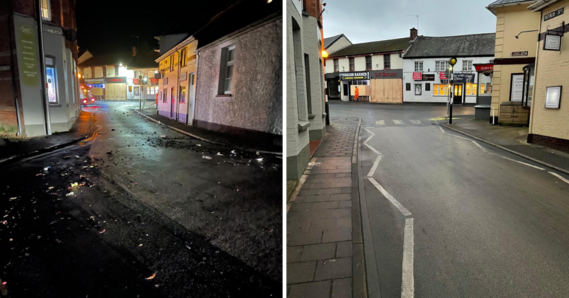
(484, 67)
(552, 42)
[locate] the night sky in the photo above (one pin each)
(106, 26)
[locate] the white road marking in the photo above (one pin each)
(393, 201)
(415, 121)
(398, 122)
(369, 138)
(479, 146)
(407, 276)
(380, 122)
(442, 130)
(560, 177)
(523, 163)
(374, 167)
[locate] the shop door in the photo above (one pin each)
(173, 103)
(191, 100)
(457, 97)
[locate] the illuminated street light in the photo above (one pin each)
(79, 75)
(324, 54)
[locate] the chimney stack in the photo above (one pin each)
(413, 33)
(133, 51)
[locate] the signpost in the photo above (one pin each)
(452, 62)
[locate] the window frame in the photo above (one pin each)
(427, 87)
(418, 63)
(370, 66)
(407, 86)
(55, 80)
(386, 63)
(468, 65)
(47, 9)
(441, 65)
(336, 65)
(351, 63)
(226, 53)
(183, 54)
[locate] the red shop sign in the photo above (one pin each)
(417, 76)
(443, 76)
(485, 67)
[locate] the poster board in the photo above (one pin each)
(517, 87)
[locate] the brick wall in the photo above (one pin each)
(552, 70)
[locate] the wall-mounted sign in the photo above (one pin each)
(354, 76)
(428, 77)
(460, 77)
(484, 67)
(184, 76)
(442, 76)
(418, 88)
(517, 87)
(553, 97)
(94, 81)
(28, 48)
(552, 42)
(417, 76)
(554, 14)
(519, 54)
(154, 81)
(115, 80)
(386, 74)
(136, 81)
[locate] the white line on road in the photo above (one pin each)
(407, 277)
(442, 130)
(560, 177)
(479, 146)
(393, 201)
(415, 121)
(374, 167)
(398, 122)
(380, 122)
(370, 147)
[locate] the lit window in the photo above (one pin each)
(45, 10)
(182, 94)
(51, 80)
(474, 89)
(226, 70)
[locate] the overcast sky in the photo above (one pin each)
(371, 20)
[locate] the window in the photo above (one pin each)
(418, 88)
(368, 62)
(116, 70)
(45, 10)
(51, 80)
(408, 87)
(387, 61)
(136, 90)
(226, 71)
(467, 65)
(151, 90)
(336, 66)
(164, 95)
(172, 62)
(419, 66)
(427, 86)
(440, 89)
(182, 94)
(441, 65)
(307, 78)
(351, 59)
(183, 58)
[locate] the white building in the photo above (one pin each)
(427, 59)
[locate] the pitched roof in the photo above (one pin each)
(331, 40)
(109, 59)
(392, 45)
(500, 3)
(239, 15)
(448, 46)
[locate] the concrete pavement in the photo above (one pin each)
(479, 222)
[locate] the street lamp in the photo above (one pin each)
(452, 62)
(324, 54)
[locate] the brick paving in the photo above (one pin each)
(320, 236)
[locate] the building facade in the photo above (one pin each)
(375, 68)
(336, 43)
(549, 124)
(177, 68)
(23, 109)
(427, 59)
(306, 117)
(514, 61)
(119, 76)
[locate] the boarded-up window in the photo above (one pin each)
(98, 72)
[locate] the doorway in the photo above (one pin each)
(191, 100)
(457, 96)
(173, 103)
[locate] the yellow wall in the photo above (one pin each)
(510, 21)
(552, 69)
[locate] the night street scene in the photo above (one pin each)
(141, 148)
(431, 156)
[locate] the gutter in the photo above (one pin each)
(541, 4)
(493, 11)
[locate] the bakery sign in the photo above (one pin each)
(354, 76)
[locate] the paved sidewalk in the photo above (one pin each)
(324, 255)
(18, 146)
(511, 138)
(264, 145)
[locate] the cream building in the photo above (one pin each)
(516, 33)
(549, 123)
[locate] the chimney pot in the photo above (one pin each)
(133, 51)
(414, 33)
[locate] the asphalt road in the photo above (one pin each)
(146, 203)
(485, 223)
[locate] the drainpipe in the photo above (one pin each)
(42, 69)
(13, 70)
(530, 128)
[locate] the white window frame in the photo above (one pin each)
(441, 65)
(227, 77)
(419, 66)
(46, 10)
(468, 65)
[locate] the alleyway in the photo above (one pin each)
(147, 203)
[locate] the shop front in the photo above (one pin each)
(482, 109)
(386, 86)
(348, 83)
